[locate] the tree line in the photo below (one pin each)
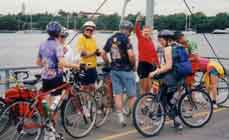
(199, 21)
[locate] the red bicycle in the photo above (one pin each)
(25, 114)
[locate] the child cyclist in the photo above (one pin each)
(51, 59)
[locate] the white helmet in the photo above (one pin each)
(89, 24)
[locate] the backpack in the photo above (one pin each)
(181, 63)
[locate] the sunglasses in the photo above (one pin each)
(89, 30)
(62, 36)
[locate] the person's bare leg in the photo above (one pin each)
(148, 85)
(131, 102)
(119, 109)
(213, 87)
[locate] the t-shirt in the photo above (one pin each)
(117, 46)
(192, 47)
(49, 53)
(87, 45)
(146, 48)
(71, 56)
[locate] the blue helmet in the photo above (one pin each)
(126, 25)
(54, 28)
(166, 34)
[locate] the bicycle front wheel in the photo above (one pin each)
(26, 121)
(79, 115)
(148, 115)
(195, 109)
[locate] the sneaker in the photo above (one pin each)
(215, 106)
(177, 124)
(49, 134)
(122, 120)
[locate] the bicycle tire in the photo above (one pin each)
(78, 102)
(136, 122)
(187, 97)
(20, 117)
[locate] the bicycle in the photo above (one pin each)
(194, 108)
(223, 88)
(28, 113)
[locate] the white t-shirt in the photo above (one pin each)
(71, 56)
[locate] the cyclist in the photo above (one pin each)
(51, 59)
(168, 73)
(212, 70)
(87, 48)
(148, 59)
(122, 67)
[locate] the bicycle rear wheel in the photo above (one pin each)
(26, 120)
(148, 115)
(195, 109)
(79, 115)
(222, 91)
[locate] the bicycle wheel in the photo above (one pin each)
(148, 115)
(103, 108)
(79, 115)
(4, 121)
(195, 109)
(222, 91)
(26, 120)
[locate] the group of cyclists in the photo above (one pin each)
(118, 54)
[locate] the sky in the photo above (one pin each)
(209, 7)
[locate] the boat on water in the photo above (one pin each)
(219, 31)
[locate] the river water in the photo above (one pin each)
(21, 49)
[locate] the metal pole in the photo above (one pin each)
(124, 10)
(150, 12)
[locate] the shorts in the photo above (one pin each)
(49, 84)
(144, 68)
(123, 82)
(90, 76)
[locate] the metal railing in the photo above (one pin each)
(5, 74)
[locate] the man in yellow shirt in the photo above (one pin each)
(87, 47)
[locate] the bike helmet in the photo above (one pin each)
(178, 34)
(54, 28)
(126, 25)
(64, 32)
(89, 24)
(166, 34)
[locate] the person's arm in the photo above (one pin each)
(39, 59)
(168, 63)
(106, 49)
(64, 64)
(138, 28)
(132, 58)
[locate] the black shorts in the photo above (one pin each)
(144, 68)
(90, 77)
(49, 84)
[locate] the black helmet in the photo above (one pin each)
(166, 34)
(125, 24)
(54, 28)
(178, 34)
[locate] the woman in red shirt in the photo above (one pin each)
(147, 59)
